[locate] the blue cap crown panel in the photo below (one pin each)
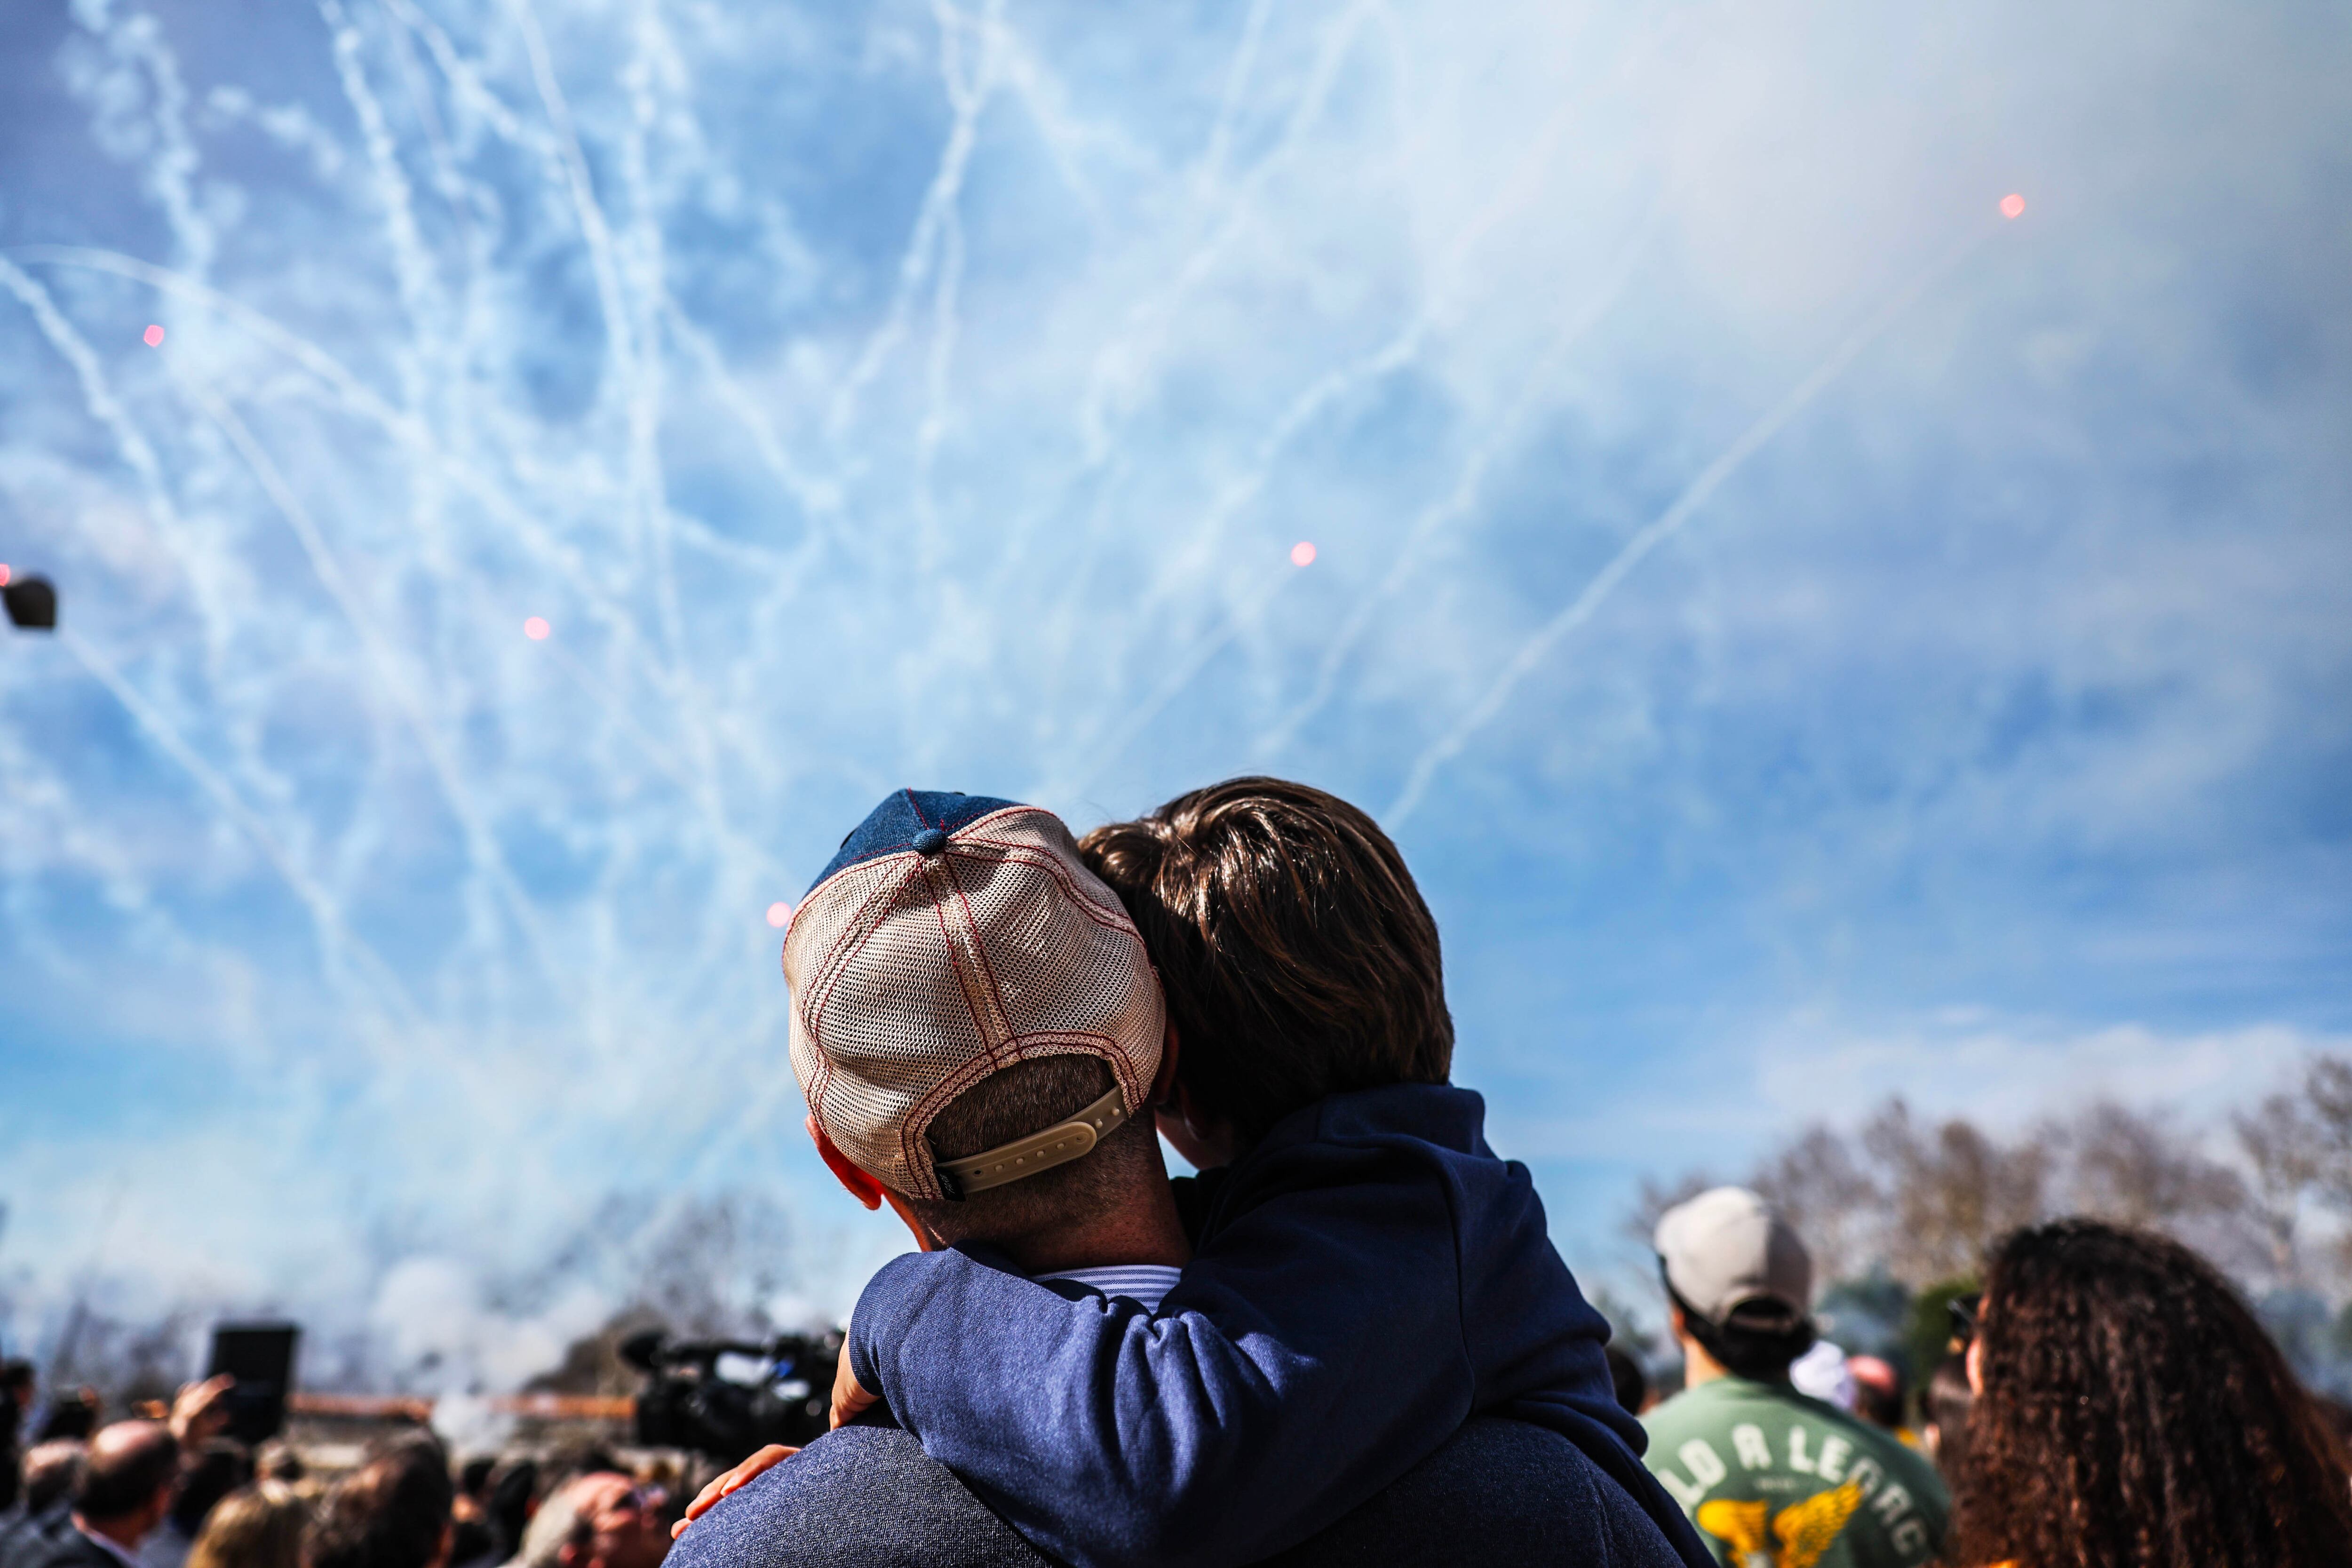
(890, 827)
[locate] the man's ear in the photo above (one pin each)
(1163, 1083)
(862, 1185)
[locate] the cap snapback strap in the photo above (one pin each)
(1056, 1146)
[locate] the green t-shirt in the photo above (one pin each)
(1774, 1479)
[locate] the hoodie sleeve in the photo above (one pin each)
(1311, 1354)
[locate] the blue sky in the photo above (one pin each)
(1812, 636)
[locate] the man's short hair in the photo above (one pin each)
(118, 1484)
(389, 1513)
(53, 1472)
(1756, 1339)
(1029, 1096)
(557, 1523)
(1298, 958)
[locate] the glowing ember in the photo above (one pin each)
(780, 914)
(2012, 205)
(535, 628)
(155, 336)
(1302, 554)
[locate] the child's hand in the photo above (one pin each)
(766, 1459)
(849, 1395)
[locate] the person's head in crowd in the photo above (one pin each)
(213, 1471)
(15, 1400)
(276, 1460)
(15, 1387)
(1009, 1114)
(73, 1415)
(259, 1526)
(1738, 1284)
(1944, 1418)
(1298, 958)
(571, 1460)
(2131, 1411)
(52, 1472)
(598, 1520)
(1878, 1390)
(390, 1512)
(513, 1492)
(474, 1540)
(1630, 1383)
(126, 1485)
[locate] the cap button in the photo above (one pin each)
(930, 841)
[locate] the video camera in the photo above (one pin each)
(775, 1391)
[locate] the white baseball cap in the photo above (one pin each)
(1727, 1248)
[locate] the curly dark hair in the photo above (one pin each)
(2135, 1415)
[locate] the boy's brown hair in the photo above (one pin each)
(1297, 954)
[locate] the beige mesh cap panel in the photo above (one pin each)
(914, 975)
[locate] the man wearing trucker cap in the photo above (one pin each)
(1772, 1478)
(981, 1038)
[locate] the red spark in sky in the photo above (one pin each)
(2012, 205)
(1303, 553)
(780, 914)
(155, 336)
(536, 628)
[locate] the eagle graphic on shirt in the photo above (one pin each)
(1804, 1530)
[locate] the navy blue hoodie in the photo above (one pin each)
(1365, 1279)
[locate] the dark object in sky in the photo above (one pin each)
(32, 603)
(260, 1356)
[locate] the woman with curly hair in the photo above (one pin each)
(2131, 1413)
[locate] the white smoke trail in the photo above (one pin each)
(1632, 553)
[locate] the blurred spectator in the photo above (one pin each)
(1945, 1417)
(390, 1512)
(471, 1539)
(52, 1475)
(124, 1489)
(51, 1471)
(514, 1495)
(1632, 1386)
(259, 1526)
(599, 1521)
(1878, 1391)
(207, 1474)
(15, 1405)
(1761, 1469)
(72, 1416)
(2130, 1411)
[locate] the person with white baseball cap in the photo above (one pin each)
(983, 1041)
(1773, 1478)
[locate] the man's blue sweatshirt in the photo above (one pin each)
(1364, 1280)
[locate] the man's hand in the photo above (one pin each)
(200, 1412)
(849, 1396)
(733, 1481)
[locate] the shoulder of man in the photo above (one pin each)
(861, 1495)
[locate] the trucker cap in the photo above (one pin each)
(952, 936)
(1725, 1249)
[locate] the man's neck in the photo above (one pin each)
(1145, 1231)
(1699, 1367)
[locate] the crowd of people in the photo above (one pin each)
(176, 1493)
(1348, 1340)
